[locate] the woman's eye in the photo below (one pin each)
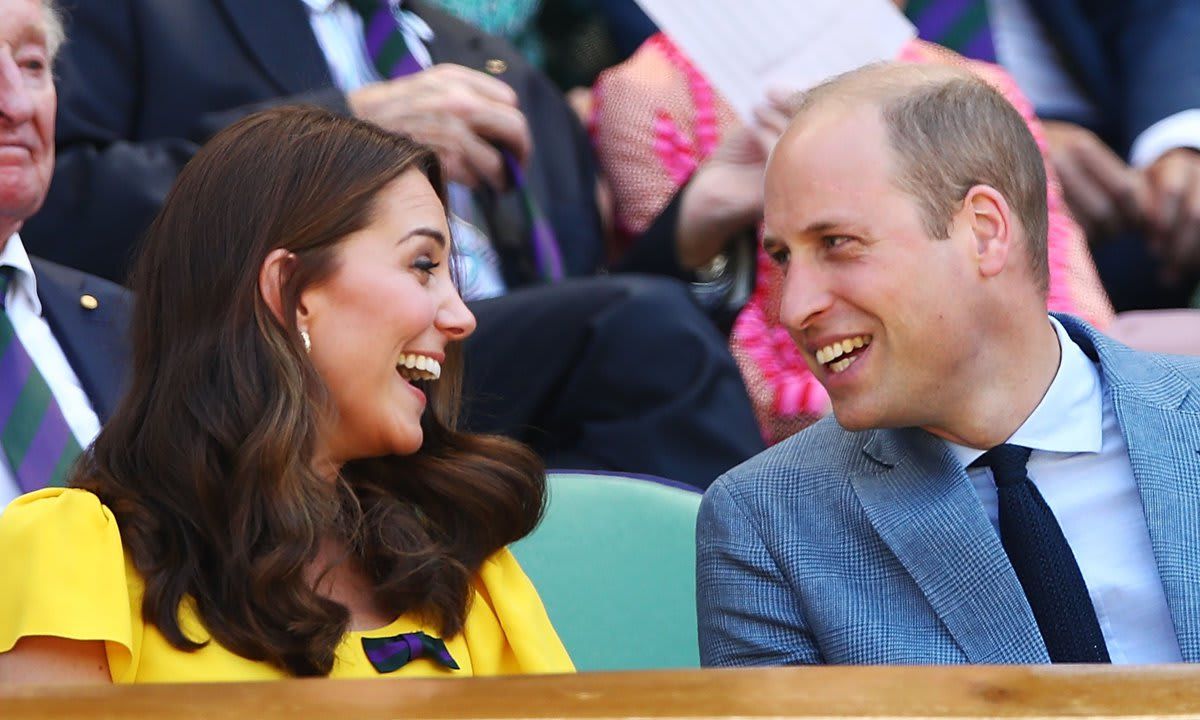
(426, 264)
(780, 257)
(833, 241)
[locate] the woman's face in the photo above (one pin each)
(383, 319)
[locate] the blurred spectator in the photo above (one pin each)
(571, 40)
(64, 354)
(1120, 94)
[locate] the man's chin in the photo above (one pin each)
(855, 419)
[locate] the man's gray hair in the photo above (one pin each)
(55, 34)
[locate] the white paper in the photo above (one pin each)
(746, 47)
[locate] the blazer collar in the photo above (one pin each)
(1159, 414)
(923, 506)
(277, 34)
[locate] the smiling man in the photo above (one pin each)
(62, 350)
(996, 485)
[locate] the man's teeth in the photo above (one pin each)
(835, 350)
(842, 364)
(418, 367)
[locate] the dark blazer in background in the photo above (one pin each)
(1138, 60)
(94, 341)
(143, 83)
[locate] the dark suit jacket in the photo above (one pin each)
(142, 83)
(1137, 59)
(94, 341)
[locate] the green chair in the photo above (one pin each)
(614, 561)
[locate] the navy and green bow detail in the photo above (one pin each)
(389, 654)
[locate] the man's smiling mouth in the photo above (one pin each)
(841, 354)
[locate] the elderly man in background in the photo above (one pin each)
(62, 351)
(996, 485)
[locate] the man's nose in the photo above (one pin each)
(806, 294)
(16, 102)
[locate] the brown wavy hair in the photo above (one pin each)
(207, 462)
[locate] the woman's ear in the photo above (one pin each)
(271, 278)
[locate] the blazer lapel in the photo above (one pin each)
(277, 34)
(1164, 451)
(924, 508)
(94, 341)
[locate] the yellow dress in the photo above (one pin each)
(64, 573)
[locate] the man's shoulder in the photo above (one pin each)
(1136, 372)
(53, 275)
(821, 454)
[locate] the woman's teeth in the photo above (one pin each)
(418, 367)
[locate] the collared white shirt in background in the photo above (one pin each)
(1080, 465)
(25, 312)
(1025, 50)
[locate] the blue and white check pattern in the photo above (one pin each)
(873, 548)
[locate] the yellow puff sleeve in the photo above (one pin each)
(63, 571)
(507, 629)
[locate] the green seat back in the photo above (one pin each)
(614, 561)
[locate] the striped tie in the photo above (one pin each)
(37, 441)
(390, 55)
(961, 25)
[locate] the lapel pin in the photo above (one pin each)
(495, 66)
(88, 302)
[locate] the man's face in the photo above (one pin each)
(27, 105)
(881, 311)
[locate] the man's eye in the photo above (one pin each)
(833, 241)
(779, 256)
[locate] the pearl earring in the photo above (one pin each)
(306, 340)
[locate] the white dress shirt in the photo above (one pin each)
(1080, 465)
(25, 313)
(1025, 50)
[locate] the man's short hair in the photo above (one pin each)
(951, 131)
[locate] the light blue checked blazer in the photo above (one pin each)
(872, 547)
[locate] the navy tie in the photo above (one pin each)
(1043, 561)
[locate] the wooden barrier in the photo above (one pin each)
(953, 692)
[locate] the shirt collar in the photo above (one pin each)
(23, 282)
(1069, 419)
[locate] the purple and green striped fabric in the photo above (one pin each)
(389, 52)
(961, 25)
(36, 439)
(389, 654)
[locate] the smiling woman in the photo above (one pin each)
(282, 491)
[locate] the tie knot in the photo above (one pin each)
(1007, 463)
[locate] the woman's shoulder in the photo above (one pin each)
(64, 571)
(69, 515)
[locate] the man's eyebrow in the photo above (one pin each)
(821, 226)
(437, 235)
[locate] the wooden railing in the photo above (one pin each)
(876, 692)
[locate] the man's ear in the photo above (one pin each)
(271, 278)
(990, 221)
